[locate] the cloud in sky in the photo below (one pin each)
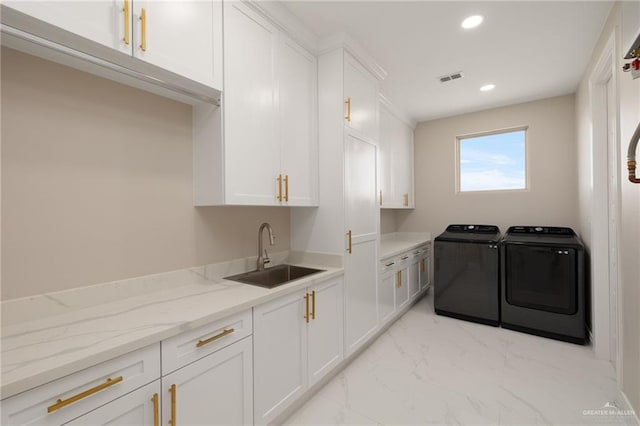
(493, 162)
(491, 179)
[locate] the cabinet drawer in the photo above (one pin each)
(190, 346)
(83, 391)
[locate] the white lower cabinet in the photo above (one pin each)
(402, 282)
(403, 278)
(297, 340)
(414, 278)
(140, 407)
(423, 256)
(215, 390)
(387, 292)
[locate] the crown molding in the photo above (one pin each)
(290, 24)
(345, 41)
(397, 112)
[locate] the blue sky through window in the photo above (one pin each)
(493, 162)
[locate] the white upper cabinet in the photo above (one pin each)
(298, 124)
(361, 98)
(252, 154)
(267, 151)
(102, 21)
(183, 37)
(396, 160)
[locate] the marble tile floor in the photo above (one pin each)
(433, 370)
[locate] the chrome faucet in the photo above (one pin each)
(272, 240)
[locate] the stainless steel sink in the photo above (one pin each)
(274, 276)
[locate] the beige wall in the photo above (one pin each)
(97, 184)
(629, 116)
(551, 198)
(387, 221)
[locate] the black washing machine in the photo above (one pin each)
(543, 282)
(466, 276)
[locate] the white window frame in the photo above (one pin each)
(527, 175)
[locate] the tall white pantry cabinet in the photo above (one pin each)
(347, 220)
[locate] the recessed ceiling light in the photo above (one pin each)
(472, 21)
(488, 87)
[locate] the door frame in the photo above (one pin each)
(605, 154)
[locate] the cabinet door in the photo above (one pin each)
(325, 330)
(102, 21)
(424, 273)
(362, 219)
(280, 353)
(215, 390)
(140, 407)
(396, 146)
(402, 166)
(387, 294)
(402, 286)
(251, 149)
(298, 123)
(361, 88)
(385, 144)
(414, 278)
(182, 37)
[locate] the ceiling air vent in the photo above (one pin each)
(450, 77)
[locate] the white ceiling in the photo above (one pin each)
(529, 50)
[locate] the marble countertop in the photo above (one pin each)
(49, 336)
(398, 242)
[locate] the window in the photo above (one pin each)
(492, 162)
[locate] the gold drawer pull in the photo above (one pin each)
(226, 332)
(348, 102)
(156, 411)
(63, 403)
(306, 309)
(286, 188)
(127, 22)
(172, 391)
(279, 179)
(143, 24)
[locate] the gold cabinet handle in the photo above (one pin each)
(143, 25)
(348, 116)
(172, 391)
(399, 279)
(406, 200)
(156, 412)
(63, 403)
(306, 312)
(127, 22)
(381, 197)
(226, 332)
(279, 179)
(286, 188)
(422, 265)
(349, 242)
(313, 304)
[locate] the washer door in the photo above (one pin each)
(543, 278)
